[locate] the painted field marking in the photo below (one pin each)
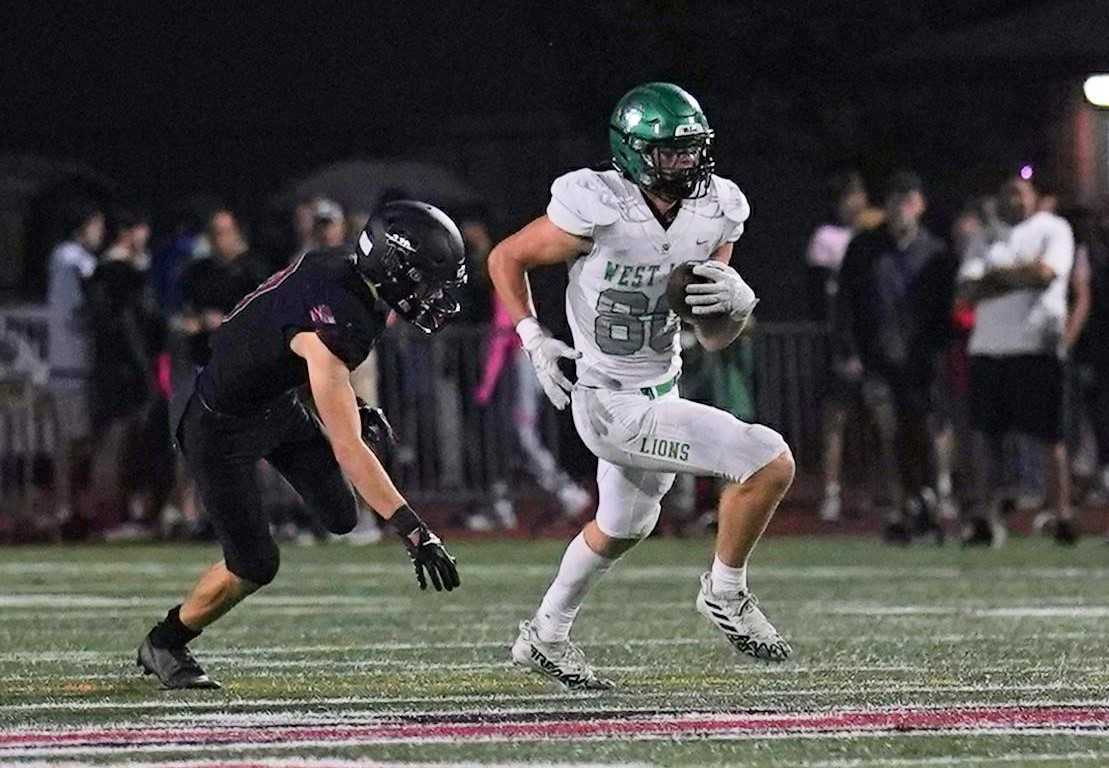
(721, 725)
(133, 749)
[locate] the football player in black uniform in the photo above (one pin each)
(311, 323)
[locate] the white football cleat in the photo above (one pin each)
(563, 661)
(739, 618)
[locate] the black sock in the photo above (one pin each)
(170, 632)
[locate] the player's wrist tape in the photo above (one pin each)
(405, 521)
(529, 330)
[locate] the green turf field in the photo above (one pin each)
(913, 657)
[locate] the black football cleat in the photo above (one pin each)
(897, 533)
(174, 667)
(1065, 533)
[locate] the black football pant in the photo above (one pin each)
(222, 453)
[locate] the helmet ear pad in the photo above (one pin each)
(414, 256)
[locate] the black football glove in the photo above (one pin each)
(377, 432)
(429, 557)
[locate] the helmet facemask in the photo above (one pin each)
(422, 300)
(674, 169)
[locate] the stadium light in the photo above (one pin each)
(1096, 88)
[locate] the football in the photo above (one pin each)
(675, 296)
(680, 277)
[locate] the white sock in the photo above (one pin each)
(831, 489)
(727, 580)
(579, 568)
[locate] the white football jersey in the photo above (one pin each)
(616, 299)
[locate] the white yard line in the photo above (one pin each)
(38, 657)
(491, 703)
(375, 604)
(81, 656)
(350, 667)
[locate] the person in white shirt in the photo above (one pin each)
(1016, 353)
(71, 264)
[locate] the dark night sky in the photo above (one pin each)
(170, 98)
(150, 91)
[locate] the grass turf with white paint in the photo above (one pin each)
(343, 638)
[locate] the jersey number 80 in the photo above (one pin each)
(625, 320)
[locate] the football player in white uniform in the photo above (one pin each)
(621, 232)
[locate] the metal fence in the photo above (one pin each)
(452, 448)
(30, 448)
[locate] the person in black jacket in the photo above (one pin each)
(311, 323)
(134, 461)
(896, 290)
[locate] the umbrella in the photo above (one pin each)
(358, 185)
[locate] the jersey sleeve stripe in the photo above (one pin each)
(267, 285)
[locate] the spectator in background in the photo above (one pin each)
(211, 286)
(133, 468)
(71, 264)
(975, 228)
(504, 353)
(1087, 330)
(1019, 287)
(828, 243)
(175, 253)
(892, 320)
(329, 227)
(318, 223)
(824, 256)
(304, 219)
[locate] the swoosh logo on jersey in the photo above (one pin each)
(701, 242)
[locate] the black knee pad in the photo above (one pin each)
(258, 567)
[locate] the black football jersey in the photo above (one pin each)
(320, 292)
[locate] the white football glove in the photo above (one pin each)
(726, 294)
(545, 351)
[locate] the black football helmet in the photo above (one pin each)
(412, 253)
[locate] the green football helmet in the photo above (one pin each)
(662, 142)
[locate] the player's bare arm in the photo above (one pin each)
(334, 396)
(335, 401)
(540, 243)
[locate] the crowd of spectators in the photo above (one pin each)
(975, 362)
(970, 365)
(125, 326)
